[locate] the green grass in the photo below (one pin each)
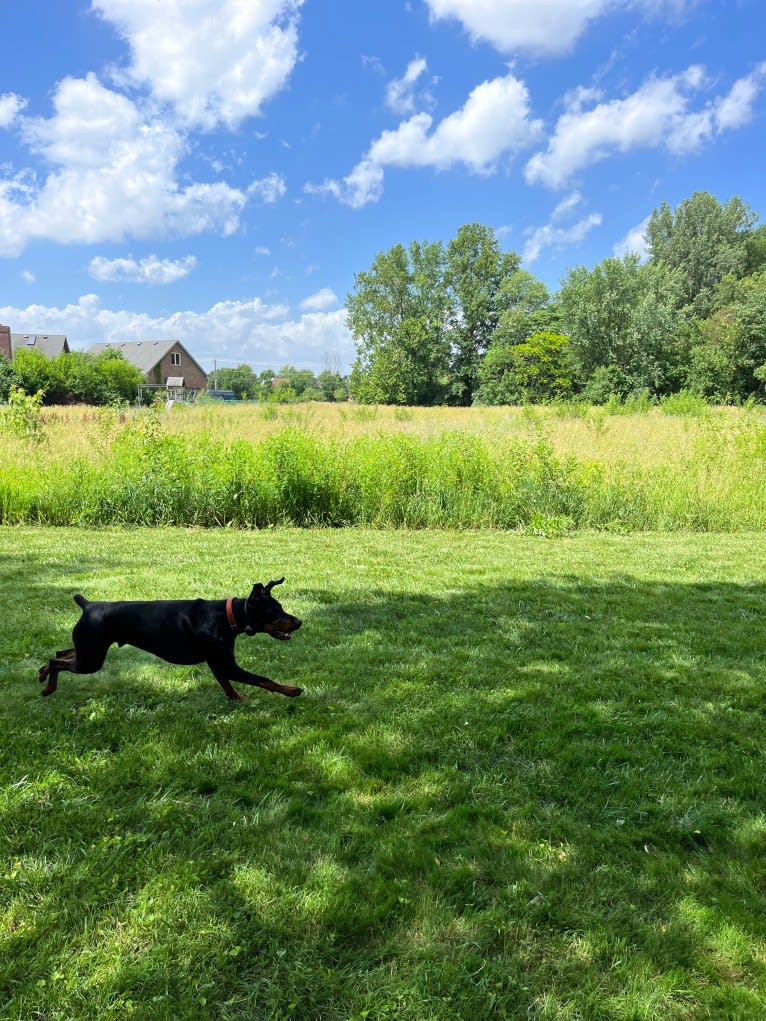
(531, 469)
(525, 781)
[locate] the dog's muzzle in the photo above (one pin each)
(282, 629)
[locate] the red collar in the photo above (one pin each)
(230, 614)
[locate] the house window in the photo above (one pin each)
(175, 358)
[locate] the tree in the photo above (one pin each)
(474, 273)
(702, 241)
(726, 362)
(332, 385)
(397, 314)
(7, 377)
(298, 380)
(622, 314)
(535, 371)
(241, 380)
(526, 309)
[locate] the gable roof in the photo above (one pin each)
(145, 354)
(49, 344)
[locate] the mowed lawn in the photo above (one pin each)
(527, 779)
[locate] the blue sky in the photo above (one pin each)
(217, 170)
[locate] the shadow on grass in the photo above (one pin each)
(537, 800)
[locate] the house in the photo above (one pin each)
(49, 344)
(164, 363)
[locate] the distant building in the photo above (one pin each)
(163, 362)
(48, 344)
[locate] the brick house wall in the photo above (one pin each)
(5, 341)
(194, 377)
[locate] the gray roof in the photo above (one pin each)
(144, 354)
(49, 344)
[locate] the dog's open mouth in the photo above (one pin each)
(282, 630)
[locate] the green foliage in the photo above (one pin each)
(526, 309)
(21, 416)
(241, 380)
(536, 371)
(332, 385)
(621, 314)
(77, 377)
(701, 241)
(397, 315)
(7, 377)
(475, 271)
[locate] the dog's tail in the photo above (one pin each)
(81, 601)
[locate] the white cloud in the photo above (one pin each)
(323, 300)
(400, 93)
(544, 27)
(551, 236)
(150, 270)
(11, 106)
(28, 277)
(736, 108)
(634, 241)
(364, 184)
(262, 250)
(113, 175)
(243, 331)
(269, 189)
(566, 206)
(657, 115)
(555, 234)
(493, 123)
(214, 61)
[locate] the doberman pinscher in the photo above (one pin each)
(182, 631)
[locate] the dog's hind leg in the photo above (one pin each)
(76, 661)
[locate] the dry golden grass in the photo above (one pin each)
(646, 439)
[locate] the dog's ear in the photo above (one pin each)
(256, 593)
(271, 584)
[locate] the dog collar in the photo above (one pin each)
(230, 614)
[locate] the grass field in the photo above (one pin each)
(545, 470)
(525, 781)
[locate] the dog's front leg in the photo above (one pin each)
(228, 670)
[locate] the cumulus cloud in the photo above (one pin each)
(542, 27)
(401, 94)
(11, 106)
(243, 331)
(113, 174)
(324, 299)
(657, 115)
(494, 122)
(150, 270)
(213, 61)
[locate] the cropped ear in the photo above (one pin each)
(256, 593)
(271, 584)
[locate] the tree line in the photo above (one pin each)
(463, 323)
(287, 385)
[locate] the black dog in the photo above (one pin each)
(180, 631)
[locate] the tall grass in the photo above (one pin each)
(156, 469)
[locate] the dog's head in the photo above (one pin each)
(265, 614)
